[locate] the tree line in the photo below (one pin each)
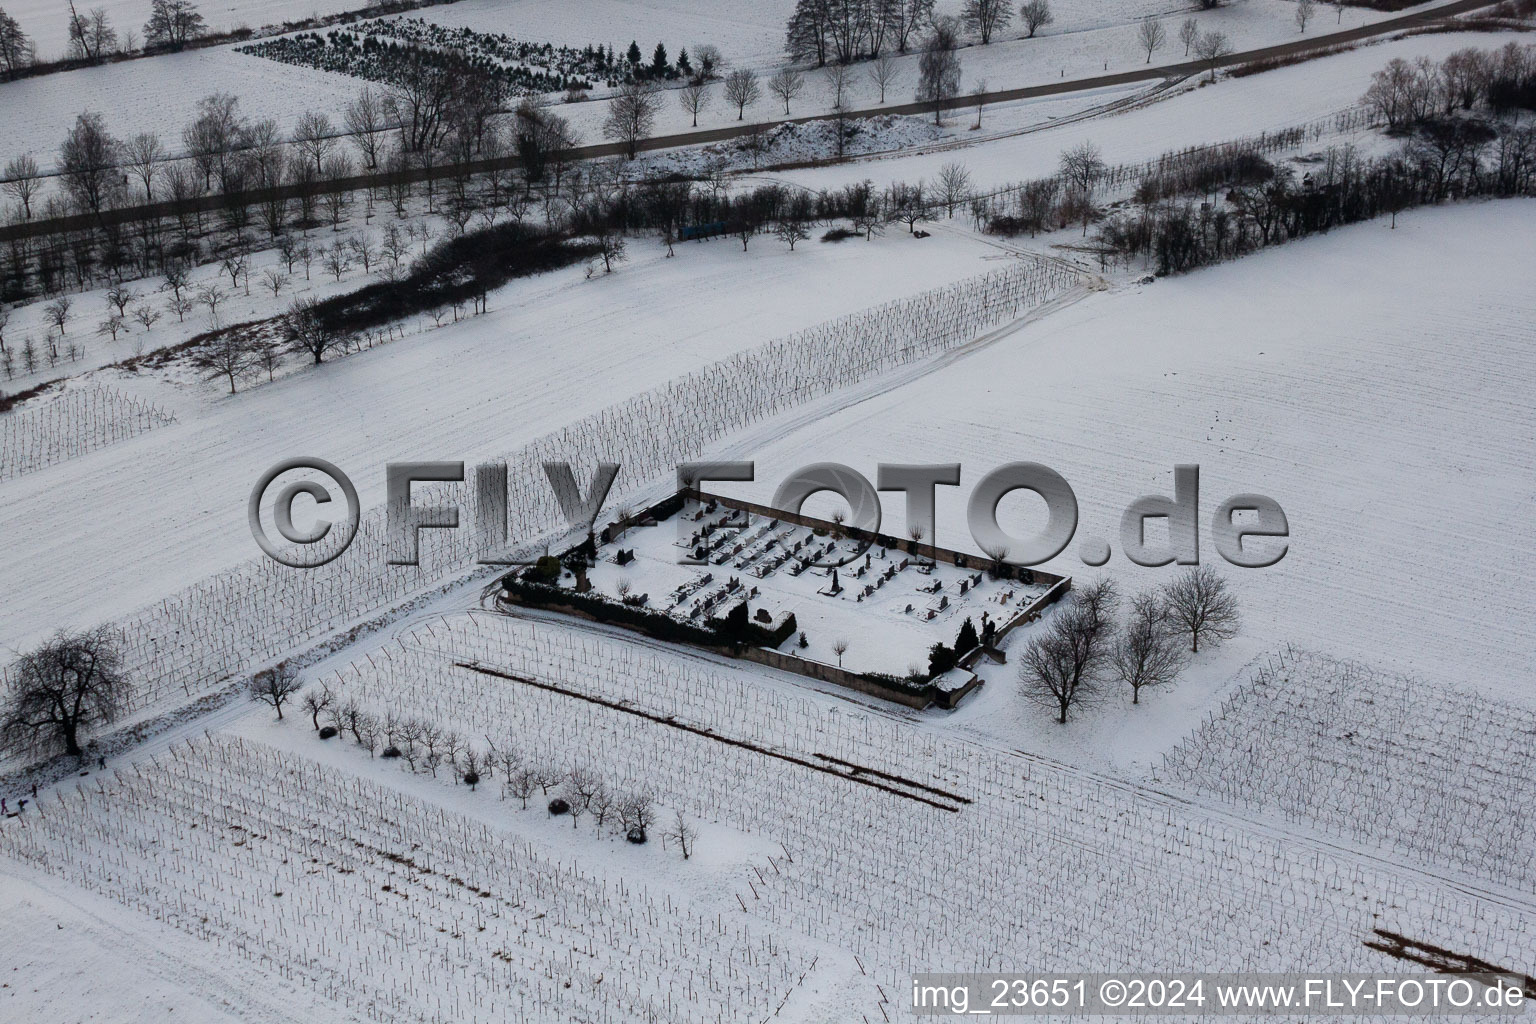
(1085, 648)
(172, 25)
(1457, 138)
(421, 745)
(842, 31)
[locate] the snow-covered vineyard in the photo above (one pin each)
(416, 608)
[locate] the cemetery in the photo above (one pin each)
(883, 615)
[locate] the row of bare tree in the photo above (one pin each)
(424, 746)
(1084, 647)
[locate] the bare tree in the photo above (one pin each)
(366, 729)
(1082, 167)
(365, 249)
(986, 17)
(637, 813)
(58, 312)
(580, 786)
(112, 326)
(791, 231)
(693, 98)
(236, 265)
(1211, 47)
(145, 153)
(1189, 31)
(318, 701)
(72, 682)
(1100, 599)
(173, 24)
(840, 648)
(786, 84)
(120, 297)
(883, 73)
(88, 164)
(683, 833)
(16, 48)
(1305, 9)
(1062, 668)
(176, 280)
(181, 305)
(1151, 35)
(1147, 653)
(838, 79)
(336, 167)
(708, 60)
(907, 203)
(522, 782)
(268, 355)
(954, 186)
(336, 259)
(908, 17)
(471, 767)
(939, 68)
(229, 356)
(147, 316)
(741, 90)
(274, 280)
(91, 35)
(396, 247)
(21, 181)
(313, 137)
(275, 687)
(366, 122)
(612, 249)
(631, 116)
(507, 757)
(1202, 608)
(306, 331)
(213, 136)
(1036, 14)
(602, 805)
(212, 296)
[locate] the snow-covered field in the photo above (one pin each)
(1079, 44)
(516, 814)
(47, 21)
(1192, 116)
(817, 886)
(1380, 400)
(551, 350)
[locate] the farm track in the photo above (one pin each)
(1296, 48)
(1124, 104)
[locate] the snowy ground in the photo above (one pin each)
(122, 968)
(1194, 115)
(823, 889)
(47, 23)
(552, 349)
(1372, 382)
(1376, 382)
(1018, 140)
(132, 98)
